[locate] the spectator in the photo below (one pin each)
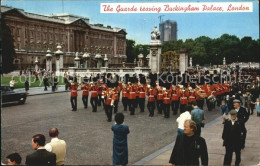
(224, 109)
(182, 118)
(197, 115)
(45, 82)
(120, 149)
(233, 136)
(189, 147)
(41, 156)
(26, 85)
(12, 83)
(56, 146)
(14, 159)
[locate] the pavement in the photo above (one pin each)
(212, 134)
(40, 90)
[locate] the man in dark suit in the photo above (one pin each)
(242, 116)
(233, 136)
(41, 156)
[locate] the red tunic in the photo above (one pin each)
(183, 100)
(74, 92)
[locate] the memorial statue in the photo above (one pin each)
(155, 34)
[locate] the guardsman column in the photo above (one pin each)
(155, 51)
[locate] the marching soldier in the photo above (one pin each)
(109, 105)
(160, 101)
(166, 104)
(85, 92)
(175, 100)
(141, 98)
(132, 100)
(183, 101)
(125, 95)
(151, 102)
(99, 91)
(94, 97)
(115, 99)
(73, 96)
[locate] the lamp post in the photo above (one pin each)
(48, 61)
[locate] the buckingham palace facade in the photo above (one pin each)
(34, 34)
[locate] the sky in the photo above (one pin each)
(139, 26)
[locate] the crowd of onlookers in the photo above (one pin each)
(52, 153)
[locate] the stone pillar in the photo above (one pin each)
(48, 61)
(224, 61)
(106, 61)
(183, 62)
(58, 55)
(155, 51)
(190, 61)
(36, 64)
(155, 56)
(77, 60)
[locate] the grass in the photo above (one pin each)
(19, 81)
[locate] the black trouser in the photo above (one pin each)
(166, 110)
(229, 153)
(200, 103)
(45, 87)
(175, 106)
(210, 105)
(108, 110)
(93, 102)
(218, 100)
(141, 104)
(99, 99)
(136, 102)
(73, 101)
(151, 107)
(198, 131)
(132, 106)
(116, 106)
(159, 106)
(252, 107)
(53, 88)
(85, 100)
(124, 101)
(182, 107)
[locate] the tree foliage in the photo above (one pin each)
(7, 45)
(205, 50)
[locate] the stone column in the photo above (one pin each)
(155, 51)
(77, 60)
(48, 61)
(183, 62)
(36, 64)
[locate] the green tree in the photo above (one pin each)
(130, 51)
(8, 51)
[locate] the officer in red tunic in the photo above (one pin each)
(166, 104)
(160, 102)
(175, 100)
(125, 95)
(85, 92)
(115, 98)
(94, 97)
(109, 105)
(131, 101)
(141, 98)
(183, 101)
(151, 102)
(99, 90)
(73, 96)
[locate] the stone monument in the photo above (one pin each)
(155, 51)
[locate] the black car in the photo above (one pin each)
(9, 95)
